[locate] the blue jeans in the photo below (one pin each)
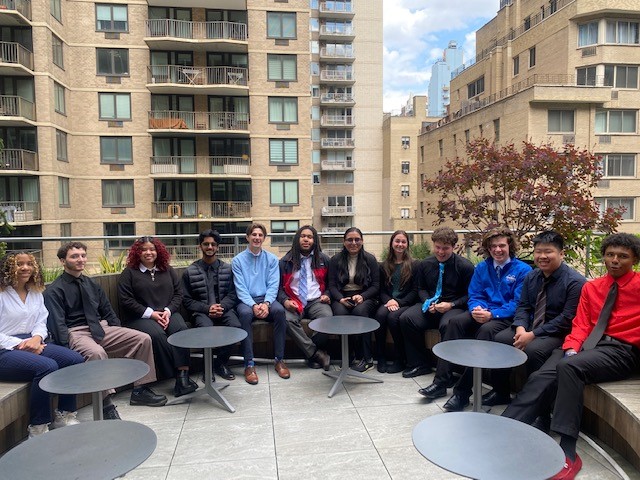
(276, 315)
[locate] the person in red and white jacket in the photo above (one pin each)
(306, 299)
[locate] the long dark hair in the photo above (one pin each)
(295, 248)
(363, 272)
(389, 264)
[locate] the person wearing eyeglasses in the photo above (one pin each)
(354, 284)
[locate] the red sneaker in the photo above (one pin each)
(569, 470)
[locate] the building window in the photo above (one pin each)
(283, 226)
(55, 7)
(118, 230)
(532, 57)
(281, 25)
(516, 65)
(587, 34)
(116, 150)
(111, 18)
(527, 23)
(616, 121)
(475, 88)
(404, 213)
(315, 91)
(63, 192)
(587, 76)
(284, 192)
(622, 32)
(283, 151)
(282, 67)
(422, 179)
(283, 109)
(315, 136)
(496, 130)
(65, 229)
(621, 76)
(406, 142)
(421, 209)
(112, 61)
(405, 167)
(404, 190)
(314, 68)
(421, 153)
(115, 106)
(340, 177)
(58, 94)
(467, 136)
(315, 177)
(626, 204)
(117, 193)
(441, 147)
(480, 130)
(619, 165)
(58, 58)
(560, 121)
(345, 202)
(553, 6)
(314, 24)
(61, 146)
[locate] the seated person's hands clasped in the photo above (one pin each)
(216, 310)
(522, 338)
(33, 345)
(261, 310)
(481, 315)
(162, 318)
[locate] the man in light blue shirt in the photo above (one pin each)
(257, 278)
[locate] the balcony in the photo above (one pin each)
(197, 80)
(341, 55)
(15, 59)
(346, 210)
(167, 34)
(200, 165)
(21, 212)
(18, 159)
(340, 77)
(16, 111)
(337, 99)
(200, 210)
(15, 13)
(335, 10)
(337, 143)
(337, 33)
(187, 122)
(337, 121)
(337, 165)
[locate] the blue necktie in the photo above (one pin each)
(302, 284)
(498, 270)
(427, 303)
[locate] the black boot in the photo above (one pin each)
(184, 385)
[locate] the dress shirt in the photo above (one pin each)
(624, 323)
(18, 318)
(313, 288)
(563, 293)
(455, 279)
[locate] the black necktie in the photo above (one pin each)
(93, 321)
(540, 313)
(603, 319)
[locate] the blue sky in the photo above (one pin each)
(416, 32)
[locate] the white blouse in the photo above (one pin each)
(17, 317)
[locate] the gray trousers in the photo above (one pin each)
(314, 309)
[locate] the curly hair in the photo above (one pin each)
(624, 240)
(389, 263)
(162, 261)
(512, 241)
(9, 272)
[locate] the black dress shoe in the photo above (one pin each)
(184, 385)
(417, 371)
(395, 367)
(145, 396)
(493, 398)
(224, 372)
(433, 391)
(382, 365)
(110, 413)
(322, 359)
(456, 403)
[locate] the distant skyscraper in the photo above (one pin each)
(440, 78)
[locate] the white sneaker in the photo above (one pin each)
(35, 430)
(62, 419)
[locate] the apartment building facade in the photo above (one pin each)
(558, 71)
(161, 118)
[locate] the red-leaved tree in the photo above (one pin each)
(528, 190)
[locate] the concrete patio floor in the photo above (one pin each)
(291, 430)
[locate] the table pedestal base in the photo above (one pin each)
(98, 405)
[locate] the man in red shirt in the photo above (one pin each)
(608, 308)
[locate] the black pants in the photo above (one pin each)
(360, 344)
(390, 320)
(229, 319)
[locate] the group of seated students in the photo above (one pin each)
(573, 332)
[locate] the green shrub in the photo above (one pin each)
(112, 266)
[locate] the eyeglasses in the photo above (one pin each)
(209, 244)
(353, 240)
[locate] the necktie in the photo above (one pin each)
(603, 319)
(97, 332)
(302, 284)
(498, 270)
(540, 311)
(427, 303)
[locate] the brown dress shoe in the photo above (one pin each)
(250, 375)
(282, 369)
(322, 358)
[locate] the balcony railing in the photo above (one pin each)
(184, 75)
(344, 210)
(336, 76)
(14, 106)
(23, 7)
(221, 165)
(337, 53)
(336, 98)
(337, 143)
(179, 120)
(13, 52)
(18, 212)
(335, 7)
(190, 165)
(196, 30)
(338, 30)
(338, 164)
(336, 121)
(195, 210)
(18, 159)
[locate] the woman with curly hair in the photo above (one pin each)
(23, 354)
(150, 297)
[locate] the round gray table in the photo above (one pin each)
(345, 325)
(94, 377)
(479, 354)
(477, 445)
(208, 338)
(91, 450)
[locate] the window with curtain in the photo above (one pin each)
(619, 165)
(282, 67)
(626, 205)
(118, 229)
(587, 34)
(283, 109)
(58, 96)
(622, 32)
(115, 106)
(112, 61)
(61, 146)
(283, 226)
(587, 76)
(117, 193)
(283, 151)
(111, 18)
(615, 121)
(55, 7)
(63, 192)
(57, 57)
(116, 150)
(281, 25)
(621, 76)
(284, 192)
(560, 121)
